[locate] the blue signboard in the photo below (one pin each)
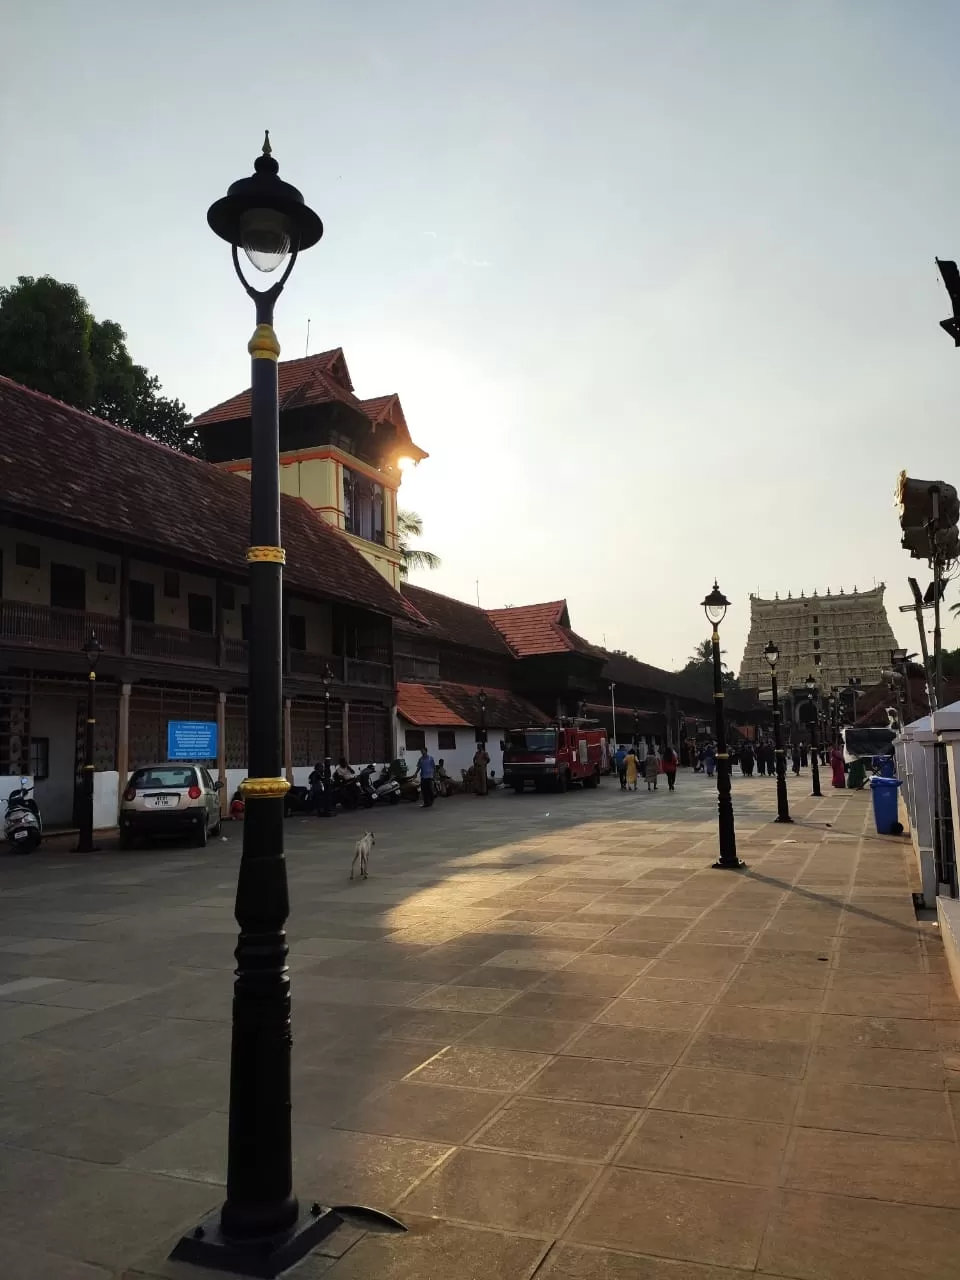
(191, 740)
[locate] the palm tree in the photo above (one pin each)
(410, 525)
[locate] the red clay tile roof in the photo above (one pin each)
(421, 706)
(455, 621)
(540, 628)
(108, 481)
(447, 703)
(319, 379)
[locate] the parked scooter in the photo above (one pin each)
(384, 786)
(22, 824)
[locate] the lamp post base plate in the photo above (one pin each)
(737, 865)
(263, 1257)
(783, 819)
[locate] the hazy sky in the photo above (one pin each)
(654, 281)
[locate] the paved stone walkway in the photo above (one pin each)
(543, 1033)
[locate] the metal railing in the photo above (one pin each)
(44, 627)
(172, 644)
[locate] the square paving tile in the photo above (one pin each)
(728, 1093)
(707, 1147)
(759, 1057)
(759, 1024)
(555, 1005)
(563, 982)
(898, 1067)
(480, 1067)
(623, 1084)
(106, 1130)
(760, 991)
(676, 990)
(433, 1248)
(858, 1108)
(512, 1192)
(550, 1128)
(662, 1015)
(361, 1168)
(531, 958)
(628, 1044)
(675, 1217)
(434, 1113)
(916, 1171)
(878, 1033)
(428, 1025)
(465, 999)
(536, 1034)
(818, 1237)
(585, 1262)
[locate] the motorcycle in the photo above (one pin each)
(22, 824)
(385, 786)
(347, 792)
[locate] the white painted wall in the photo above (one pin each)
(106, 799)
(461, 757)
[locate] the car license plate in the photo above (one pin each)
(21, 835)
(162, 802)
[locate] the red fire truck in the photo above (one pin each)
(554, 758)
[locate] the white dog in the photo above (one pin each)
(362, 851)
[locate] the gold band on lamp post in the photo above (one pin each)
(264, 788)
(275, 555)
(264, 345)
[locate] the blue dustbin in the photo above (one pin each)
(885, 805)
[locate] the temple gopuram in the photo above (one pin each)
(830, 637)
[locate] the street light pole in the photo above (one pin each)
(814, 735)
(715, 606)
(85, 839)
(327, 678)
(772, 655)
(482, 699)
(636, 727)
(613, 714)
(261, 1229)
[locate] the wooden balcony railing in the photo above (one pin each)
(148, 640)
(36, 626)
(42, 627)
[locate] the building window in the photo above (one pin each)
(296, 631)
(141, 601)
(447, 740)
(68, 587)
(171, 585)
(816, 631)
(200, 613)
(39, 758)
(817, 659)
(228, 597)
(816, 644)
(414, 740)
(28, 556)
(107, 574)
(363, 506)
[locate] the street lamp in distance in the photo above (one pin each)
(715, 606)
(772, 655)
(92, 650)
(811, 686)
(482, 699)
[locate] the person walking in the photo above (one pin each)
(747, 760)
(771, 759)
(709, 759)
(651, 768)
(670, 762)
(838, 768)
(620, 760)
(426, 768)
(795, 759)
(803, 753)
(480, 762)
(631, 770)
(761, 758)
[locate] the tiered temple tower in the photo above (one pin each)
(831, 637)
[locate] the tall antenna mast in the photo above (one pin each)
(478, 593)
(307, 350)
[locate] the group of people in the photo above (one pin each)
(646, 761)
(763, 756)
(434, 779)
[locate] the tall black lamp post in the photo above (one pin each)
(482, 699)
(327, 678)
(855, 684)
(85, 838)
(814, 734)
(261, 1229)
(715, 607)
(772, 655)
(636, 727)
(900, 662)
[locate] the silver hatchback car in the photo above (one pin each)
(170, 800)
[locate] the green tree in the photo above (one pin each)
(699, 668)
(410, 525)
(50, 341)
